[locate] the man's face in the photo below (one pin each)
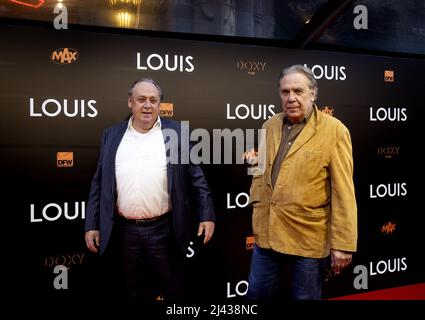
(144, 104)
(297, 98)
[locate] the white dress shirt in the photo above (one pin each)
(141, 174)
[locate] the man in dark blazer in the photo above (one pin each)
(142, 189)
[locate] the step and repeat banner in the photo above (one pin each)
(60, 89)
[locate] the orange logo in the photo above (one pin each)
(250, 243)
(30, 3)
(166, 109)
(328, 110)
(388, 228)
(389, 76)
(65, 159)
(64, 56)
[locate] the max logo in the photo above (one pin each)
(64, 56)
(328, 110)
(28, 3)
(388, 228)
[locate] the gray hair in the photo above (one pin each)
(298, 68)
(148, 80)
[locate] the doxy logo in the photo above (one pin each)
(252, 67)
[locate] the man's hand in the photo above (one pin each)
(340, 260)
(92, 240)
(250, 157)
(206, 227)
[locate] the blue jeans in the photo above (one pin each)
(266, 267)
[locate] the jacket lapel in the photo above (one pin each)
(115, 142)
(305, 135)
(276, 136)
(166, 125)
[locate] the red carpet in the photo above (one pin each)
(411, 292)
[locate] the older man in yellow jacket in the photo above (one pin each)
(304, 206)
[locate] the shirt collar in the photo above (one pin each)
(157, 125)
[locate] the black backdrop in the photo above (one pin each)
(211, 81)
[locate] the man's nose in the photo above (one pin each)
(291, 96)
(147, 104)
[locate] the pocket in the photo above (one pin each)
(316, 215)
(312, 155)
(311, 169)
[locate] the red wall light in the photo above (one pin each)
(28, 3)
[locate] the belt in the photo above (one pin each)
(144, 221)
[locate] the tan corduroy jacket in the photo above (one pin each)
(312, 207)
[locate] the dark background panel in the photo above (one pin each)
(385, 152)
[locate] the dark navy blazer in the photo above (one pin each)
(185, 181)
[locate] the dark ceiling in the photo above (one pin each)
(393, 26)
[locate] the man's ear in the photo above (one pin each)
(314, 94)
(129, 102)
